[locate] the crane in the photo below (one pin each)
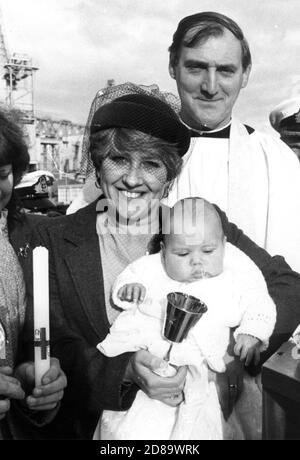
(18, 74)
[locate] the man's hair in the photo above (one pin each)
(123, 140)
(197, 28)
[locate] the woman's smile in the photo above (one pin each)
(131, 186)
(129, 194)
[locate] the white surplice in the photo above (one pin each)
(255, 179)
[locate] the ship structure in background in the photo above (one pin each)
(59, 146)
(54, 144)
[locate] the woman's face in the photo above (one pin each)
(6, 185)
(134, 181)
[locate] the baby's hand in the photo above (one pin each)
(248, 348)
(133, 292)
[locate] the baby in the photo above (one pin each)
(194, 259)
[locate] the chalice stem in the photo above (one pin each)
(167, 357)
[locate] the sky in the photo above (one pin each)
(79, 45)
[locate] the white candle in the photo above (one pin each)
(41, 313)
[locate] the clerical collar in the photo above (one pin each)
(222, 133)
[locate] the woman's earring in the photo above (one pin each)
(97, 182)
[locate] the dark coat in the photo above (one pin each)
(20, 238)
(79, 321)
(283, 286)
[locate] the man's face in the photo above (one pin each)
(209, 78)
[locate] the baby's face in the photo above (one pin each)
(189, 257)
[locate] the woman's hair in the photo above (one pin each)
(14, 151)
(125, 140)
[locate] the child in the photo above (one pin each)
(194, 259)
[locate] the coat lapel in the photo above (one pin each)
(20, 237)
(82, 256)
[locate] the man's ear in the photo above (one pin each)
(172, 71)
(246, 74)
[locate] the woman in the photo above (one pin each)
(15, 228)
(136, 144)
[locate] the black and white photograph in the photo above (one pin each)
(149, 223)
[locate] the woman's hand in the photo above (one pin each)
(47, 395)
(169, 390)
(10, 387)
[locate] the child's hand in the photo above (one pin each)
(133, 292)
(248, 348)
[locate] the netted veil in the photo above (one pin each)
(107, 95)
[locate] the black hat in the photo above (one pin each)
(290, 126)
(33, 192)
(143, 113)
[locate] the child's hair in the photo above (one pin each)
(154, 244)
(14, 151)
